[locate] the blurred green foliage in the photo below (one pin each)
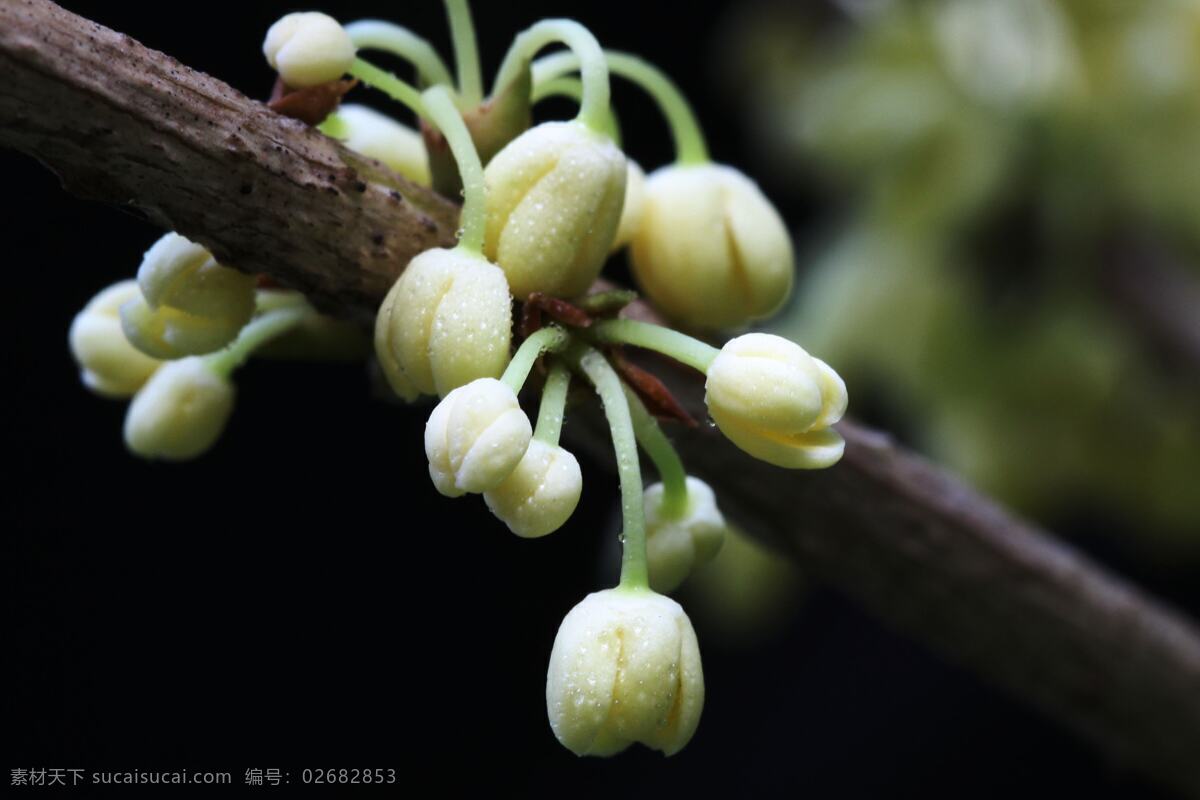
(988, 161)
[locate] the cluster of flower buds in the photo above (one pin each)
(171, 340)
(539, 220)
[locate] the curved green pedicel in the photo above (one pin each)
(440, 108)
(592, 67)
(634, 574)
(679, 346)
(690, 146)
(573, 89)
(399, 90)
(550, 339)
(269, 325)
(656, 445)
(554, 403)
(376, 34)
(466, 53)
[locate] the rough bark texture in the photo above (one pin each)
(127, 125)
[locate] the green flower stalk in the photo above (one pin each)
(447, 320)
(374, 34)
(690, 145)
(616, 409)
(466, 53)
(555, 192)
(542, 491)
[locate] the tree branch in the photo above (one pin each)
(130, 126)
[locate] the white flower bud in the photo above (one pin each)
(776, 402)
(180, 412)
(554, 197)
(540, 494)
(625, 668)
(677, 545)
(475, 437)
(168, 333)
(446, 321)
(308, 49)
(375, 135)
(108, 364)
(181, 274)
(635, 203)
(189, 304)
(711, 251)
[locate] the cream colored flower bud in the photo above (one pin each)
(475, 438)
(776, 402)
(446, 321)
(554, 197)
(625, 668)
(168, 333)
(635, 203)
(540, 494)
(711, 251)
(180, 412)
(308, 49)
(364, 130)
(677, 545)
(108, 364)
(180, 274)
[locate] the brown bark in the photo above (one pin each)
(130, 126)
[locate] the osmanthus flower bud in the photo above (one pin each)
(446, 322)
(189, 304)
(776, 402)
(475, 437)
(711, 251)
(635, 203)
(540, 494)
(108, 364)
(308, 48)
(375, 135)
(675, 545)
(180, 412)
(625, 668)
(554, 197)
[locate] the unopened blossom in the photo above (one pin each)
(677, 544)
(108, 364)
(446, 321)
(475, 437)
(540, 494)
(189, 304)
(308, 49)
(776, 402)
(180, 412)
(554, 198)
(711, 251)
(625, 668)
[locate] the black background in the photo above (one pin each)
(302, 598)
